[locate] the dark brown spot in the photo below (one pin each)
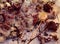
(55, 38)
(52, 26)
(2, 18)
(38, 8)
(47, 8)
